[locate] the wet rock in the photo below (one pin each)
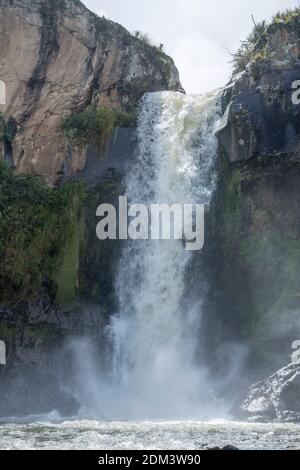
(260, 117)
(276, 398)
(34, 391)
(41, 363)
(228, 447)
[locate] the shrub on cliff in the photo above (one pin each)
(254, 48)
(144, 37)
(251, 49)
(286, 16)
(5, 132)
(95, 125)
(36, 226)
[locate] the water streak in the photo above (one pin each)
(154, 335)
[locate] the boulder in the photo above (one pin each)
(276, 398)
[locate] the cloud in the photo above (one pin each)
(196, 33)
(203, 64)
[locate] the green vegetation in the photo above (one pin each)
(270, 262)
(103, 26)
(36, 230)
(230, 212)
(42, 334)
(66, 275)
(160, 60)
(144, 37)
(258, 263)
(95, 125)
(229, 207)
(253, 48)
(48, 10)
(274, 260)
(7, 332)
(4, 130)
(98, 260)
(287, 16)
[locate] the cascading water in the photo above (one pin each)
(154, 373)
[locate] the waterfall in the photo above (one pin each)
(153, 370)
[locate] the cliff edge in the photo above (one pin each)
(57, 57)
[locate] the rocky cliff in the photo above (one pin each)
(59, 60)
(255, 274)
(56, 57)
(261, 116)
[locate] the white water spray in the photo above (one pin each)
(154, 373)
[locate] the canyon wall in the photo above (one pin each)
(57, 57)
(256, 218)
(56, 278)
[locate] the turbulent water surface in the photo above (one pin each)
(146, 435)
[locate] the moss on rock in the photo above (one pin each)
(257, 255)
(98, 258)
(36, 226)
(95, 125)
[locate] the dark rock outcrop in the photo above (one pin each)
(228, 447)
(41, 363)
(276, 398)
(261, 118)
(255, 257)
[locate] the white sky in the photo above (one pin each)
(196, 33)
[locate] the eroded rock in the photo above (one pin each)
(260, 117)
(276, 398)
(57, 57)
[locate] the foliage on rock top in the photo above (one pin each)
(287, 16)
(95, 125)
(254, 48)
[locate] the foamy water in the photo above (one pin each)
(155, 334)
(147, 435)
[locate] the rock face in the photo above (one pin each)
(57, 57)
(255, 257)
(41, 355)
(276, 398)
(67, 307)
(261, 117)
